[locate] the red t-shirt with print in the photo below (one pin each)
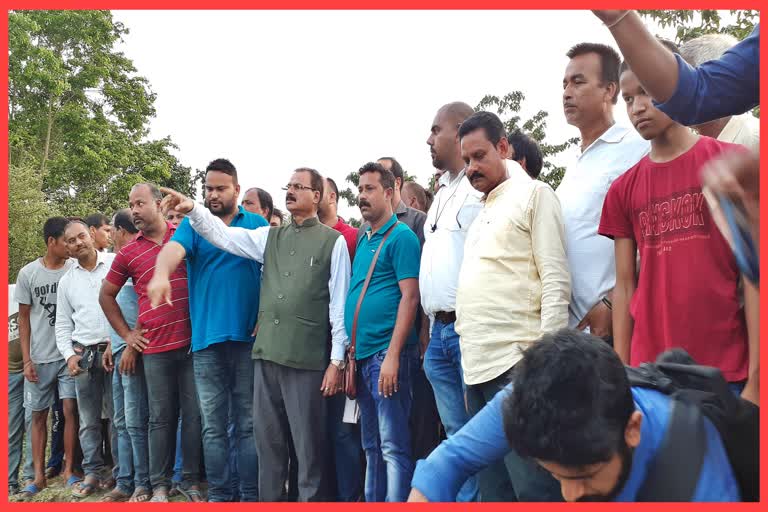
(687, 292)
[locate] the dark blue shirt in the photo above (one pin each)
(482, 441)
(223, 288)
(718, 88)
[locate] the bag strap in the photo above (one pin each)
(674, 473)
(365, 286)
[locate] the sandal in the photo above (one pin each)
(72, 480)
(160, 498)
(83, 489)
(140, 495)
(192, 495)
(29, 490)
(115, 495)
(108, 483)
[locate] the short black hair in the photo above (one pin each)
(488, 121)
(316, 179)
(666, 43)
(526, 147)
(123, 220)
(396, 169)
(386, 178)
(54, 228)
(609, 62)
(222, 165)
(96, 220)
(278, 212)
(571, 400)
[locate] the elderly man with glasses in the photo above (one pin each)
(304, 288)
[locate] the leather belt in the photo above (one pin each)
(446, 317)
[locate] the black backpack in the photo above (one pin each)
(698, 392)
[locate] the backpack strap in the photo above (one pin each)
(673, 475)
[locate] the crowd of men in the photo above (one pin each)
(488, 325)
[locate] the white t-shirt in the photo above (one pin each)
(590, 256)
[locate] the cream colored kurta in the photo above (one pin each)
(514, 283)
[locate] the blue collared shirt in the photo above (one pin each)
(718, 88)
(223, 288)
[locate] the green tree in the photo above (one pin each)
(27, 211)
(507, 107)
(80, 110)
(78, 116)
(692, 24)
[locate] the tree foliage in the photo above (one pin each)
(78, 118)
(692, 24)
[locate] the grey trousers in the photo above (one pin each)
(289, 400)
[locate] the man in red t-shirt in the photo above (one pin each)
(327, 211)
(687, 292)
(162, 338)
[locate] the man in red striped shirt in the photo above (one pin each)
(162, 338)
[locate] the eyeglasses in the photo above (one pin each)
(297, 186)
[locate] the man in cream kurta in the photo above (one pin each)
(514, 286)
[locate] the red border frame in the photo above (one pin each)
(364, 5)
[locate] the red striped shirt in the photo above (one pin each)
(168, 327)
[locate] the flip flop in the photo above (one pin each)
(115, 495)
(72, 480)
(29, 490)
(140, 495)
(83, 489)
(158, 498)
(191, 495)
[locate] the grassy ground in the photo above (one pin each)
(58, 492)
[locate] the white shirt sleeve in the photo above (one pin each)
(338, 286)
(64, 323)
(246, 243)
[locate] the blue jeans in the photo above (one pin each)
(345, 443)
(136, 413)
(224, 372)
(124, 448)
(19, 422)
(385, 433)
(442, 364)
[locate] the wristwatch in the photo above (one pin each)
(339, 363)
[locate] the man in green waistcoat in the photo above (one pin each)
(305, 279)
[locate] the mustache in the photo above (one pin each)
(364, 203)
(476, 176)
(290, 197)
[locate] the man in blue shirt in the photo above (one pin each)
(382, 325)
(223, 299)
(718, 88)
(572, 410)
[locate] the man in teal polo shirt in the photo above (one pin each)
(386, 341)
(224, 304)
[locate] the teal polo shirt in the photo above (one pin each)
(223, 288)
(399, 259)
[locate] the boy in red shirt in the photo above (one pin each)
(687, 292)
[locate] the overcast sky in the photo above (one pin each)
(277, 90)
